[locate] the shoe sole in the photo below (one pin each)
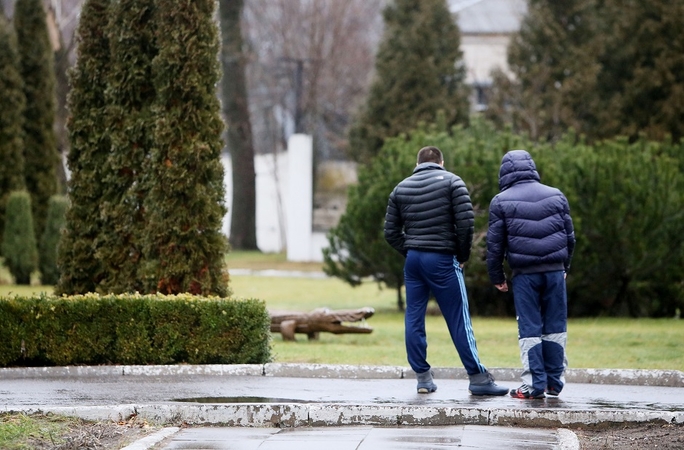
(425, 391)
(482, 394)
(528, 397)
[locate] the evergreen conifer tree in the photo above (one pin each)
(12, 104)
(129, 97)
(604, 68)
(40, 146)
(19, 241)
(184, 247)
(49, 241)
(641, 85)
(357, 244)
(419, 72)
(87, 124)
(553, 60)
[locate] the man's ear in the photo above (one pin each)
(442, 163)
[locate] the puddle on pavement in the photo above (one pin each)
(238, 400)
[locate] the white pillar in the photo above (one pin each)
(299, 197)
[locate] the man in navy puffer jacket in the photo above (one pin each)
(429, 220)
(530, 226)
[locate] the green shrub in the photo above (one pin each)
(132, 329)
(47, 255)
(19, 241)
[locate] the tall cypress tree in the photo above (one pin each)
(37, 70)
(12, 104)
(87, 124)
(129, 96)
(419, 72)
(184, 247)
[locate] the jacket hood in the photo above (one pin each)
(516, 165)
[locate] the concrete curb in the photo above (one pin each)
(567, 440)
(634, 377)
(286, 415)
(153, 439)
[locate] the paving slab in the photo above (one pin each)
(365, 438)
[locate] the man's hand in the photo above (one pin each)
(503, 287)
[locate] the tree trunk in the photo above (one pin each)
(236, 114)
(400, 299)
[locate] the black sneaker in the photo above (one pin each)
(483, 384)
(552, 391)
(525, 391)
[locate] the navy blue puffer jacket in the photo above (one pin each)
(529, 222)
(430, 211)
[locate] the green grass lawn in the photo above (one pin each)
(592, 343)
(20, 431)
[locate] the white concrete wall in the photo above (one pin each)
(272, 205)
(299, 197)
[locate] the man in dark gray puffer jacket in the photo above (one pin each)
(531, 227)
(429, 220)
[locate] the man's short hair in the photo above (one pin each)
(430, 154)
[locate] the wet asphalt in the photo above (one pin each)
(291, 406)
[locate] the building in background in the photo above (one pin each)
(486, 29)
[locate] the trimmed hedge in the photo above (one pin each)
(132, 329)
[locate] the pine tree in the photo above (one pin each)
(554, 66)
(419, 72)
(49, 241)
(604, 68)
(87, 124)
(18, 240)
(183, 246)
(129, 97)
(40, 146)
(641, 85)
(12, 104)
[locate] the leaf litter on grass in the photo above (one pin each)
(19, 431)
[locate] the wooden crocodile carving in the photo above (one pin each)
(287, 323)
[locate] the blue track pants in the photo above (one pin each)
(426, 272)
(541, 308)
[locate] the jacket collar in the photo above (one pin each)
(427, 166)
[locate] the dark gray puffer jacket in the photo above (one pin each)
(529, 222)
(430, 211)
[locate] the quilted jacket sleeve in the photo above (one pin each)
(394, 232)
(496, 243)
(464, 219)
(569, 231)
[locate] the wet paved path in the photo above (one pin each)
(340, 407)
